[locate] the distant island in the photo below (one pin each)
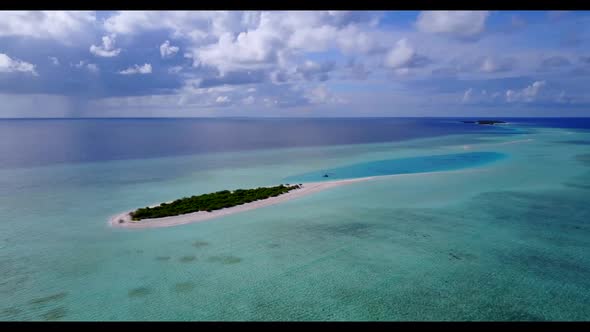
(209, 202)
(483, 122)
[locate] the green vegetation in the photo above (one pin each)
(484, 122)
(210, 202)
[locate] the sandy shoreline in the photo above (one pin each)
(189, 218)
(306, 189)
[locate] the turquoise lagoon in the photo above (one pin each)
(423, 164)
(507, 239)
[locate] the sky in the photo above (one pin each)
(294, 64)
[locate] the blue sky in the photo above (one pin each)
(304, 63)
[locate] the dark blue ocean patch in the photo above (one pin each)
(576, 142)
(432, 163)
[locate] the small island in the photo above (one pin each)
(483, 122)
(218, 204)
(209, 202)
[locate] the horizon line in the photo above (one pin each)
(280, 117)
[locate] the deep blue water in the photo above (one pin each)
(445, 162)
(574, 123)
(35, 142)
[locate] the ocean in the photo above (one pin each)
(482, 223)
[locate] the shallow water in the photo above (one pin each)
(506, 240)
(422, 164)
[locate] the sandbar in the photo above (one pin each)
(123, 220)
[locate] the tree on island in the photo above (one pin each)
(210, 202)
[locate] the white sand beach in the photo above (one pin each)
(123, 220)
(306, 189)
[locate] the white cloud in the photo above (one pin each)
(490, 65)
(107, 49)
(528, 94)
(168, 51)
(251, 49)
(136, 69)
(467, 95)
(275, 51)
(222, 99)
(59, 25)
(248, 100)
(353, 39)
(9, 65)
(473, 96)
(54, 60)
(321, 95)
(461, 24)
(274, 40)
(175, 69)
(312, 70)
(91, 67)
(254, 41)
(313, 38)
(197, 26)
(399, 56)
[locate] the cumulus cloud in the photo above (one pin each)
(473, 96)
(321, 95)
(350, 39)
(194, 25)
(460, 24)
(400, 56)
(311, 70)
(528, 94)
(253, 49)
(467, 95)
(54, 60)
(175, 69)
(357, 71)
(10, 65)
(248, 100)
(167, 50)
(222, 100)
(313, 38)
(234, 78)
(137, 69)
(59, 25)
(91, 67)
(227, 45)
(355, 40)
(491, 65)
(291, 58)
(107, 49)
(403, 59)
(269, 40)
